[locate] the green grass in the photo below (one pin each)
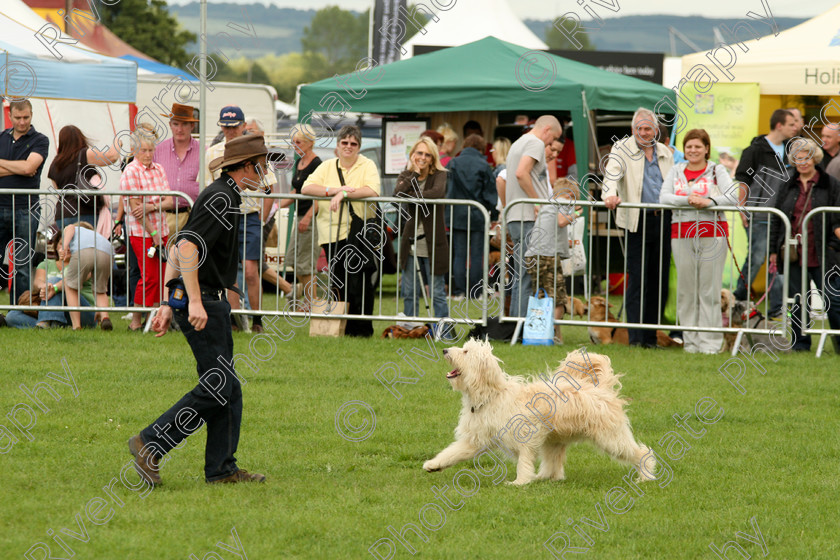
(773, 456)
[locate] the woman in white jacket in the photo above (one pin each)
(698, 239)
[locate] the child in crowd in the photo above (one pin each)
(549, 244)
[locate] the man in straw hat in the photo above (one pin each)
(180, 160)
(205, 256)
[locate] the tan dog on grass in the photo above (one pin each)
(616, 335)
(538, 418)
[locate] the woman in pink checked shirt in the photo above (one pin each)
(148, 231)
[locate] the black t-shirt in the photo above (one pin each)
(299, 178)
(65, 179)
(214, 227)
(19, 150)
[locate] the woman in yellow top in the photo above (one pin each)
(345, 179)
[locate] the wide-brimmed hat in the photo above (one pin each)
(231, 116)
(240, 149)
(181, 113)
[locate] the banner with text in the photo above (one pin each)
(387, 24)
(728, 112)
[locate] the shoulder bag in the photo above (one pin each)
(794, 255)
(367, 236)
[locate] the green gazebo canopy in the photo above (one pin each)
(486, 75)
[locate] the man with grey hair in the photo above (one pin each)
(830, 137)
(527, 178)
(634, 173)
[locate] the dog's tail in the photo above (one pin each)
(588, 367)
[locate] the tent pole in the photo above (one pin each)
(202, 99)
(582, 155)
(68, 8)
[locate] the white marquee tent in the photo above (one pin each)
(471, 20)
(82, 88)
(803, 60)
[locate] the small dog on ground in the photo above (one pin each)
(599, 311)
(733, 313)
(574, 306)
(538, 418)
(745, 315)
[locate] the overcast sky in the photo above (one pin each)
(548, 9)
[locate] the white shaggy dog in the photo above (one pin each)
(538, 417)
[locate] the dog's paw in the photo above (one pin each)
(431, 466)
(517, 482)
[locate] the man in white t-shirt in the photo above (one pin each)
(526, 178)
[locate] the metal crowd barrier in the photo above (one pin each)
(601, 262)
(392, 213)
(827, 295)
(22, 251)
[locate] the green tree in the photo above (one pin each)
(556, 39)
(148, 26)
(339, 36)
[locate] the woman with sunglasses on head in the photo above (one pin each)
(346, 179)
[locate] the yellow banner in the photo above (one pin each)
(728, 112)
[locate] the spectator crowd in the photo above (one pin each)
(441, 248)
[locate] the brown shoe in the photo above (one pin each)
(145, 465)
(240, 476)
(106, 324)
(257, 329)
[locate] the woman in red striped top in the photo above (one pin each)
(698, 239)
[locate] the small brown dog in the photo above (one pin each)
(730, 318)
(599, 311)
(574, 306)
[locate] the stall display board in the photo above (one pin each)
(398, 136)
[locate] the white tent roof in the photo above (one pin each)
(471, 20)
(803, 60)
(34, 71)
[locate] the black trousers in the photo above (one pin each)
(353, 282)
(800, 297)
(648, 266)
(216, 400)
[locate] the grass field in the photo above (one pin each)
(772, 456)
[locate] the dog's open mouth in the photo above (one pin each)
(453, 374)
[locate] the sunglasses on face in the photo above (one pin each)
(349, 143)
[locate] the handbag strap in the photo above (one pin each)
(804, 209)
(79, 167)
(341, 208)
(343, 184)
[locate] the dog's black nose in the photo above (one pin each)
(445, 350)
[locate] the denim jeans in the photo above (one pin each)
(19, 224)
(752, 264)
(89, 218)
(459, 260)
(520, 285)
(411, 285)
(88, 317)
(216, 400)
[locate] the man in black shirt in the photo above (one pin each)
(205, 256)
(22, 154)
